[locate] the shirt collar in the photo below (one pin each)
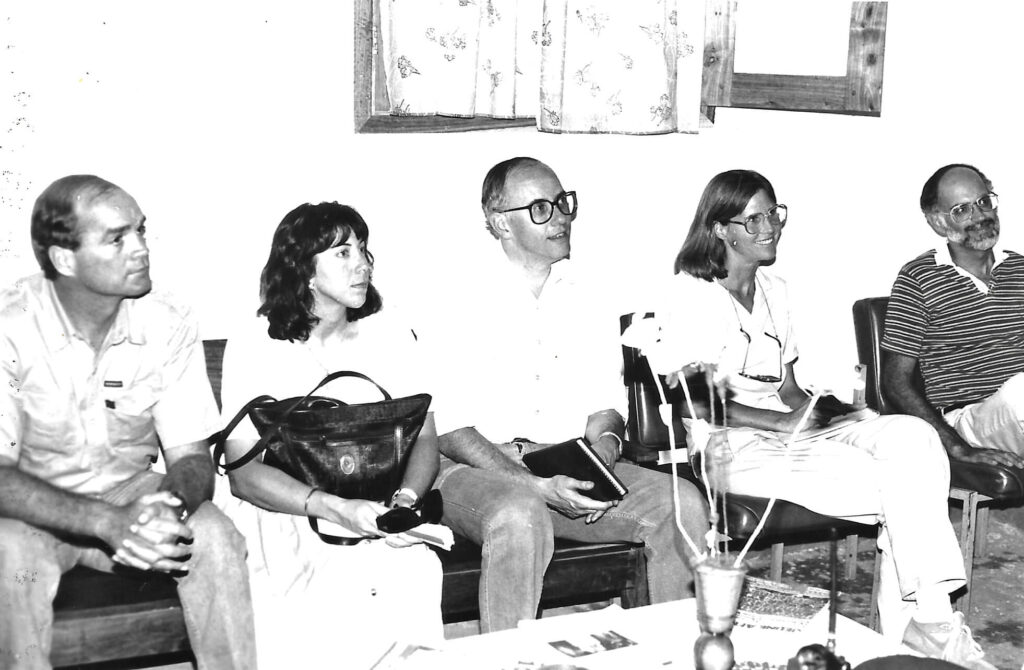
(561, 271)
(59, 330)
(943, 257)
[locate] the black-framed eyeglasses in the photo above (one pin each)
(776, 215)
(542, 210)
(965, 210)
(768, 379)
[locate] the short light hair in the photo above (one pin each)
(930, 191)
(55, 215)
(492, 195)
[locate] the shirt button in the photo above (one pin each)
(373, 592)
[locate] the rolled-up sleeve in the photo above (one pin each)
(186, 411)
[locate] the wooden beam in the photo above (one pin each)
(362, 94)
(865, 57)
(719, 52)
(789, 92)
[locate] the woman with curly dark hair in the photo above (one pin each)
(316, 603)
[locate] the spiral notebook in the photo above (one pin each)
(578, 460)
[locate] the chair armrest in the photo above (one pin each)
(995, 481)
(637, 453)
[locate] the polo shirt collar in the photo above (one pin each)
(943, 257)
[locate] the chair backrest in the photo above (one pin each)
(214, 351)
(868, 325)
(644, 424)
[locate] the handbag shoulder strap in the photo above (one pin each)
(338, 375)
(222, 438)
(264, 441)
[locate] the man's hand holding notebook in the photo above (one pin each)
(575, 458)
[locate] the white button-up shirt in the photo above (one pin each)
(515, 365)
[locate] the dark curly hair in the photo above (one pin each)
(726, 195)
(303, 233)
(55, 215)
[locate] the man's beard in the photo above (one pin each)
(980, 236)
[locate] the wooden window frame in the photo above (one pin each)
(858, 92)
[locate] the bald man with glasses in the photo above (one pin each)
(956, 319)
(531, 357)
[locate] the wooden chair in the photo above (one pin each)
(786, 522)
(975, 486)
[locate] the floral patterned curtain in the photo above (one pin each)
(590, 66)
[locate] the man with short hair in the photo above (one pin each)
(529, 359)
(956, 320)
(956, 316)
(99, 376)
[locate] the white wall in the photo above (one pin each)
(219, 117)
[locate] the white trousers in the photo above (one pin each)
(994, 422)
(891, 470)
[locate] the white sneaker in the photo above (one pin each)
(947, 640)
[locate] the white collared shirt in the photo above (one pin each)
(515, 365)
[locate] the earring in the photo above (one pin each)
(733, 243)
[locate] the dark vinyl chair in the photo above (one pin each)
(974, 485)
(647, 435)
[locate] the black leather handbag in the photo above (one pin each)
(351, 451)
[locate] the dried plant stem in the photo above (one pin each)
(675, 473)
(693, 414)
(708, 453)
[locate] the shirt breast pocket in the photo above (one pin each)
(130, 420)
(47, 421)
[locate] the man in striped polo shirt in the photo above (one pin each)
(957, 314)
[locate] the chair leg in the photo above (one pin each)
(873, 622)
(636, 593)
(981, 544)
(851, 556)
(775, 569)
(968, 537)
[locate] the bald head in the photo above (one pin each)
(56, 213)
(930, 191)
(493, 193)
(959, 205)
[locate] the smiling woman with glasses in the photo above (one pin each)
(724, 284)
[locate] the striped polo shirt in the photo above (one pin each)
(968, 337)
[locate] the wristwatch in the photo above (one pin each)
(408, 493)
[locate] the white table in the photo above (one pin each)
(656, 636)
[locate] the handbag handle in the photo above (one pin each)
(264, 441)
